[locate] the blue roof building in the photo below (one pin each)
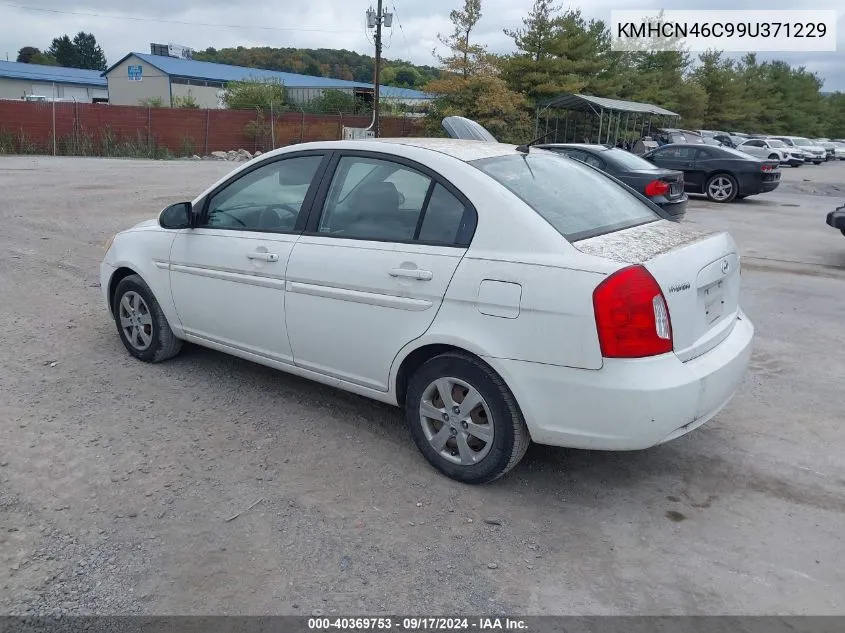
(19, 81)
(140, 76)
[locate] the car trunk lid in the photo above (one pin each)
(697, 271)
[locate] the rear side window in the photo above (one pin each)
(577, 201)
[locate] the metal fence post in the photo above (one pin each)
(54, 125)
(149, 128)
(207, 121)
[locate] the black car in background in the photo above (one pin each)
(664, 187)
(836, 219)
(721, 173)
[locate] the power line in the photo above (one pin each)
(399, 22)
(180, 22)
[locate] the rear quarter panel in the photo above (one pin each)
(553, 322)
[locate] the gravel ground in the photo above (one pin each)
(117, 478)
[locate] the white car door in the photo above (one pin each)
(228, 274)
(369, 274)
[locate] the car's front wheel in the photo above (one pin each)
(141, 323)
(721, 188)
(464, 419)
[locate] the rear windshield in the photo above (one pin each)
(578, 201)
(624, 158)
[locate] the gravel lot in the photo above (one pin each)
(116, 478)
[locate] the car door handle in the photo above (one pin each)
(412, 273)
(266, 257)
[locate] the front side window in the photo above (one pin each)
(268, 198)
(577, 201)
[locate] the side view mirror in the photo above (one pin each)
(176, 216)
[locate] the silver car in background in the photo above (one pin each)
(814, 153)
(773, 149)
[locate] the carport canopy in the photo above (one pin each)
(587, 103)
(615, 109)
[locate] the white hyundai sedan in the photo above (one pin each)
(498, 294)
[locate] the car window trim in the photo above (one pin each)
(469, 221)
(304, 211)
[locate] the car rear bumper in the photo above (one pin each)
(628, 404)
(769, 185)
(836, 219)
(675, 208)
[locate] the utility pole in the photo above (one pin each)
(375, 19)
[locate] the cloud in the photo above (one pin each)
(322, 24)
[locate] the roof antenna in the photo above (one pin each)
(524, 149)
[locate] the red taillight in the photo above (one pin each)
(768, 167)
(632, 318)
(656, 188)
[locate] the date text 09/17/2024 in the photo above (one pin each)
(417, 624)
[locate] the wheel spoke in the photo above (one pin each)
(146, 339)
(136, 302)
(467, 454)
(126, 305)
(136, 336)
(483, 432)
(470, 401)
(428, 410)
(444, 387)
(438, 442)
(145, 319)
(125, 322)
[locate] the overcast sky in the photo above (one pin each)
(328, 24)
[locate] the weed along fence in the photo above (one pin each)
(84, 129)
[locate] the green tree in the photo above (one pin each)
(64, 52)
(26, 53)
(719, 77)
(89, 54)
(336, 101)
(559, 53)
(470, 84)
(254, 94)
(465, 58)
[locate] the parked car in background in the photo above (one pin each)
(664, 187)
(836, 219)
(738, 140)
(721, 173)
(813, 153)
(773, 149)
(482, 288)
(829, 148)
(667, 136)
(839, 150)
(722, 137)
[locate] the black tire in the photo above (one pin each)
(817, 162)
(734, 187)
(510, 434)
(774, 157)
(797, 164)
(163, 344)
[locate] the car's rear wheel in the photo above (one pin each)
(774, 157)
(464, 419)
(141, 323)
(721, 188)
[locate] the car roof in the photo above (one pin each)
(464, 150)
(587, 146)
